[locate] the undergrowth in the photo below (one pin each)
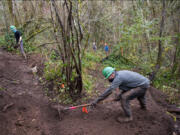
(169, 84)
(53, 75)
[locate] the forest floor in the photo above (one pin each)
(26, 110)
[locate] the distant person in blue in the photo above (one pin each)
(19, 41)
(94, 46)
(106, 49)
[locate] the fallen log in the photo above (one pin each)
(174, 110)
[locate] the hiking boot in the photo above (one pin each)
(122, 120)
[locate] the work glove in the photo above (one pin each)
(16, 46)
(118, 98)
(94, 103)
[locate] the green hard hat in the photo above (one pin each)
(107, 71)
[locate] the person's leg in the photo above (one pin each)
(126, 97)
(126, 106)
(22, 49)
(142, 100)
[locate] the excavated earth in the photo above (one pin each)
(26, 110)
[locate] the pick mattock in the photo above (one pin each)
(62, 110)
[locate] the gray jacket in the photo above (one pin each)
(125, 80)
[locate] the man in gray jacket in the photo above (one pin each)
(131, 84)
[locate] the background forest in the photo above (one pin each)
(143, 35)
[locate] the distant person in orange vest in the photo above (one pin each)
(106, 49)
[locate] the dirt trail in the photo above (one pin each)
(32, 115)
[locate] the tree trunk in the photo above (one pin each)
(25, 10)
(159, 57)
(18, 15)
(33, 11)
(5, 16)
(13, 16)
(176, 58)
(10, 6)
(71, 35)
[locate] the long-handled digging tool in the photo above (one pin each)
(61, 110)
(85, 105)
(75, 107)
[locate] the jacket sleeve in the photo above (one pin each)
(115, 84)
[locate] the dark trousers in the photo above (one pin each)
(138, 93)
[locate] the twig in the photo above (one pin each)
(172, 115)
(7, 106)
(174, 110)
(41, 45)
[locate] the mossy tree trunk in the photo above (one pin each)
(71, 36)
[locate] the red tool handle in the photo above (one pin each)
(78, 106)
(84, 105)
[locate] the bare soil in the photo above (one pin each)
(29, 111)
